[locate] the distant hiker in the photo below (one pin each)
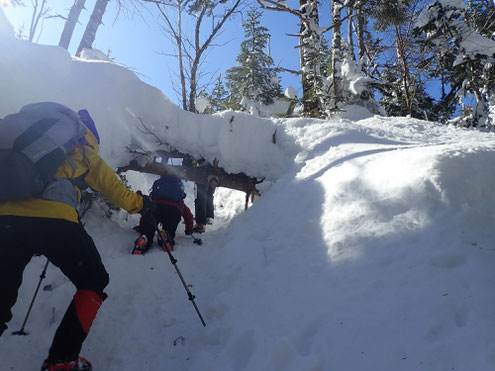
(60, 155)
(168, 195)
(204, 209)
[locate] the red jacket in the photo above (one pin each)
(184, 211)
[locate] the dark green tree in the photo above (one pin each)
(256, 77)
(218, 97)
(481, 15)
(466, 57)
(405, 64)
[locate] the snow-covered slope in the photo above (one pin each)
(371, 249)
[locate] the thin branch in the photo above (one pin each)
(295, 72)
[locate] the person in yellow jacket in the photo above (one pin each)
(50, 226)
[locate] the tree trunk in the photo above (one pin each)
(177, 36)
(70, 23)
(181, 56)
(39, 12)
(94, 22)
(310, 49)
(402, 59)
(360, 29)
(350, 39)
(193, 85)
(240, 182)
(198, 52)
(337, 55)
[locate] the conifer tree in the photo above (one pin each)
(467, 56)
(336, 95)
(481, 15)
(256, 78)
(218, 97)
(405, 63)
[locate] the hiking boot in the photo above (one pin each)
(199, 228)
(209, 221)
(80, 364)
(141, 245)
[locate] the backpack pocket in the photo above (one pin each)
(60, 190)
(19, 179)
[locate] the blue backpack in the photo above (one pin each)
(168, 188)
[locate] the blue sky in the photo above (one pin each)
(138, 43)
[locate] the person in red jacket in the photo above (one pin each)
(168, 195)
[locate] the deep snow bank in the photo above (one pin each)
(390, 176)
(375, 252)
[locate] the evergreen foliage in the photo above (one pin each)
(356, 86)
(481, 15)
(388, 12)
(395, 104)
(218, 97)
(255, 79)
(466, 57)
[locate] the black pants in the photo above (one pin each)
(203, 205)
(67, 246)
(167, 215)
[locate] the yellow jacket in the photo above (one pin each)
(99, 177)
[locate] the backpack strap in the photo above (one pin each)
(79, 181)
(84, 150)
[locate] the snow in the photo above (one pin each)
(202, 103)
(371, 247)
(356, 80)
(476, 44)
(472, 43)
(94, 54)
(291, 92)
(258, 109)
(454, 4)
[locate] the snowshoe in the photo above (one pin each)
(199, 228)
(141, 245)
(80, 364)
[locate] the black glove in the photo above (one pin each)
(148, 205)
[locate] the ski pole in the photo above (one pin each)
(197, 241)
(42, 275)
(174, 263)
